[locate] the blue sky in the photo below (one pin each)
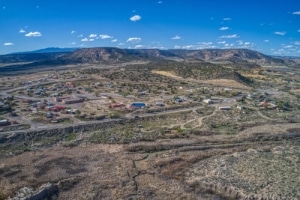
(268, 26)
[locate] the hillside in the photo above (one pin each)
(243, 58)
(115, 55)
(229, 55)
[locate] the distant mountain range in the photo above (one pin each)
(48, 50)
(51, 57)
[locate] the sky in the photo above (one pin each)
(268, 26)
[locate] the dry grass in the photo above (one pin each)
(99, 171)
(166, 73)
(268, 173)
(225, 83)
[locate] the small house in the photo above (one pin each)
(49, 115)
(137, 105)
(178, 99)
(4, 122)
(208, 101)
(2, 105)
(159, 104)
(116, 105)
(239, 107)
(73, 100)
(225, 108)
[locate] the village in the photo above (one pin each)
(67, 97)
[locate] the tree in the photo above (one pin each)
(77, 113)
(114, 114)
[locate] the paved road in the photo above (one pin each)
(4, 93)
(104, 121)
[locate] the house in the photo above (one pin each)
(142, 93)
(57, 108)
(225, 108)
(40, 105)
(208, 101)
(71, 101)
(69, 84)
(116, 105)
(178, 99)
(267, 104)
(137, 105)
(2, 105)
(57, 99)
(110, 85)
(159, 103)
(239, 107)
(4, 122)
(49, 115)
(71, 111)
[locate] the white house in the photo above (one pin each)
(208, 101)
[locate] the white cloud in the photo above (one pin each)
(34, 34)
(279, 52)
(279, 33)
(91, 40)
(189, 47)
(80, 36)
(139, 46)
(226, 46)
(199, 45)
(204, 45)
(229, 36)
(240, 42)
(227, 19)
(296, 13)
(121, 44)
(114, 40)
(297, 43)
(223, 28)
(21, 31)
(288, 46)
(84, 40)
(222, 42)
(8, 44)
(72, 43)
(135, 18)
(105, 36)
(266, 40)
(177, 37)
(134, 40)
(93, 35)
(72, 32)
